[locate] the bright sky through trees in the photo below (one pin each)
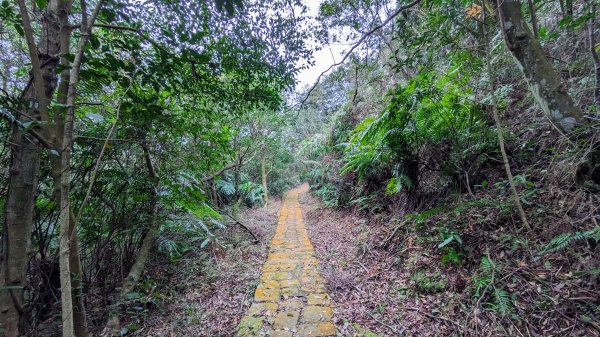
(324, 57)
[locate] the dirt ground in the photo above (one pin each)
(208, 293)
(403, 289)
(400, 289)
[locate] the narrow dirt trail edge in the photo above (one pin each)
(291, 300)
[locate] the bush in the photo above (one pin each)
(428, 124)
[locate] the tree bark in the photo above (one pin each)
(24, 169)
(18, 219)
(544, 82)
(80, 324)
(592, 45)
(67, 224)
(534, 24)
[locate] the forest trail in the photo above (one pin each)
(291, 299)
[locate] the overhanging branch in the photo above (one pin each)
(357, 44)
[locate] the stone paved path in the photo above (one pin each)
(291, 300)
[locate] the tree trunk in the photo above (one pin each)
(500, 131)
(80, 324)
(534, 25)
(133, 277)
(67, 223)
(263, 170)
(18, 219)
(23, 174)
(592, 45)
(544, 82)
(79, 314)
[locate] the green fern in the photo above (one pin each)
(502, 302)
(252, 193)
(487, 265)
(484, 283)
(226, 188)
(421, 119)
(564, 240)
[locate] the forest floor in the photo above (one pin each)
(367, 285)
(207, 294)
(376, 289)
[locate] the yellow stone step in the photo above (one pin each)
(291, 299)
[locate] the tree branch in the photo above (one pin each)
(36, 67)
(228, 167)
(358, 43)
(4, 113)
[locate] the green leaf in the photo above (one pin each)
(41, 3)
(134, 295)
(446, 242)
(19, 29)
(133, 326)
(94, 42)
(29, 125)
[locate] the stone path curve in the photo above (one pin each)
(290, 300)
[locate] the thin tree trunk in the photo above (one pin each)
(543, 80)
(133, 277)
(500, 131)
(263, 170)
(67, 226)
(534, 25)
(593, 52)
(80, 324)
(18, 219)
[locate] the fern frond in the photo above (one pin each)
(502, 302)
(225, 187)
(564, 240)
(487, 266)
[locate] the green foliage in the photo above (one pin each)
(330, 196)
(420, 218)
(429, 115)
(139, 302)
(485, 285)
(186, 194)
(565, 240)
(396, 184)
(225, 187)
(428, 282)
(252, 193)
(449, 245)
(368, 203)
